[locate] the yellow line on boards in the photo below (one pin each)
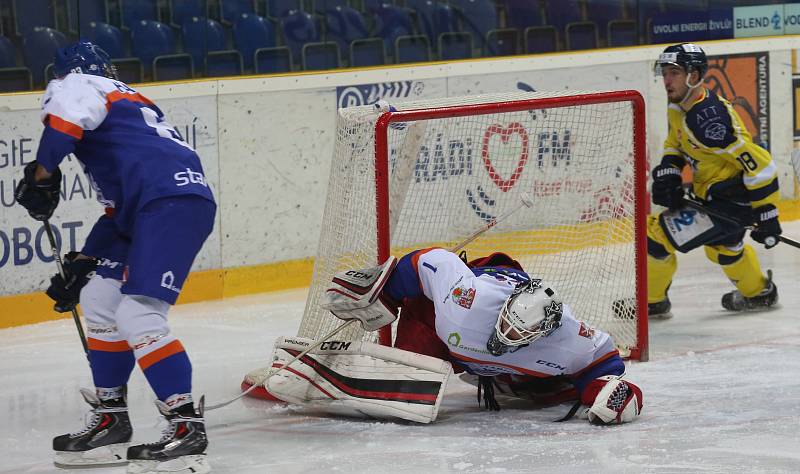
(31, 308)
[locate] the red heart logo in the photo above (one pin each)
(505, 135)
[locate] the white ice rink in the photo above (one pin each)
(721, 395)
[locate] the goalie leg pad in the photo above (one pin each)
(360, 378)
(612, 400)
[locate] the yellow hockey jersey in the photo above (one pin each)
(713, 140)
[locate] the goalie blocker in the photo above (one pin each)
(359, 379)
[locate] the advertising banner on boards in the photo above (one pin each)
(743, 79)
(688, 26)
(764, 20)
(26, 260)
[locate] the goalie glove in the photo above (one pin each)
(356, 294)
(612, 400)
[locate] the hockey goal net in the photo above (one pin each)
(430, 173)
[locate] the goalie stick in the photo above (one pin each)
(525, 201)
(697, 205)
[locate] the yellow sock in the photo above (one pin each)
(659, 277)
(741, 267)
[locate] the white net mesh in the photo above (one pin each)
(451, 175)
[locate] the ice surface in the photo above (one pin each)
(721, 391)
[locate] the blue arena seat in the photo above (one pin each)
(231, 10)
(29, 14)
(181, 11)
(273, 60)
(321, 56)
(622, 33)
(251, 33)
(204, 40)
(154, 43)
(478, 17)
(15, 79)
(391, 23)
(424, 10)
(645, 10)
(501, 42)
(602, 12)
(455, 46)
(39, 47)
(106, 36)
(345, 25)
(371, 6)
(523, 14)
(281, 8)
(12, 78)
(581, 35)
(322, 6)
(560, 13)
(90, 11)
(412, 49)
(541, 39)
(298, 28)
(8, 56)
(133, 11)
(109, 37)
(367, 52)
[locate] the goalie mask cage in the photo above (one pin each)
(430, 173)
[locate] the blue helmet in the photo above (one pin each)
(83, 57)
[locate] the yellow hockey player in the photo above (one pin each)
(731, 174)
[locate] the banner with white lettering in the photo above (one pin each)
(26, 261)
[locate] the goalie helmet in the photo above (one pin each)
(83, 57)
(531, 312)
(686, 56)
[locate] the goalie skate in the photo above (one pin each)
(102, 443)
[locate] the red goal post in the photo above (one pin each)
(440, 169)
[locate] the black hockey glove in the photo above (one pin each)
(39, 198)
(768, 228)
(67, 292)
(667, 186)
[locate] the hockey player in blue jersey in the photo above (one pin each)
(159, 211)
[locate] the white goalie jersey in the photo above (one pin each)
(467, 305)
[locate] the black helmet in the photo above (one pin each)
(687, 56)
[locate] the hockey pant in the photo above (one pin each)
(686, 229)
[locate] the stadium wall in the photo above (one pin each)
(266, 145)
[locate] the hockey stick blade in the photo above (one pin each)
(732, 220)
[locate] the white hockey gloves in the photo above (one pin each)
(359, 379)
(612, 400)
(356, 294)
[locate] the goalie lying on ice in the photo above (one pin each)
(510, 333)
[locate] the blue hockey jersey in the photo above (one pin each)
(131, 154)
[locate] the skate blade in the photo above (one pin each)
(660, 316)
(104, 456)
(191, 464)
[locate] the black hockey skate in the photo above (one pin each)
(104, 440)
(735, 301)
(660, 310)
(182, 447)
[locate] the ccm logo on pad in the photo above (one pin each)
(183, 178)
